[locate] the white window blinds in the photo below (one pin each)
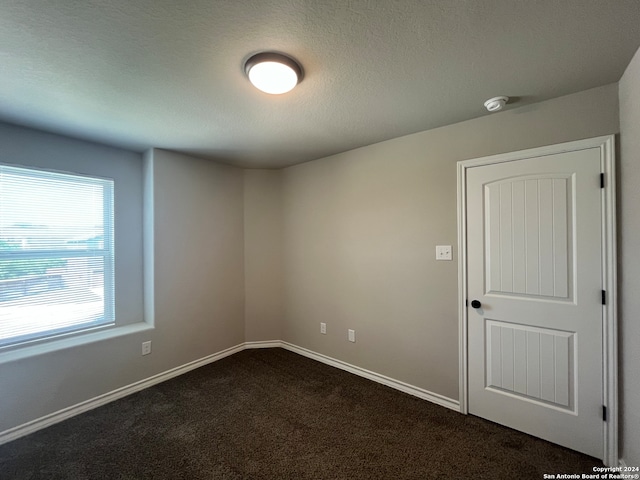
(56, 254)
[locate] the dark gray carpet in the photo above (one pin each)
(272, 414)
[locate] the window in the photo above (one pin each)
(56, 254)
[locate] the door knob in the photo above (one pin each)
(476, 303)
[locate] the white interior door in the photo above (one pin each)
(534, 262)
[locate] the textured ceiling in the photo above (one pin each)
(168, 74)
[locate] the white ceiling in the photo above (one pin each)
(168, 73)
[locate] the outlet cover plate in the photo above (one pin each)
(443, 252)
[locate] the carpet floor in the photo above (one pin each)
(273, 414)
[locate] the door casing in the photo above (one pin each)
(606, 144)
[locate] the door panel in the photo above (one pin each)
(534, 262)
(533, 363)
(528, 244)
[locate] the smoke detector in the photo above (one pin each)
(496, 104)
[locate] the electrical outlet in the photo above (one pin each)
(323, 328)
(352, 335)
(146, 348)
(443, 252)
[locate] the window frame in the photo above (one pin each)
(106, 253)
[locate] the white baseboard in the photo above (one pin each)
(263, 344)
(376, 377)
(56, 417)
(621, 463)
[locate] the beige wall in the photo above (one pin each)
(263, 254)
(628, 265)
(38, 385)
(198, 274)
(199, 258)
(360, 230)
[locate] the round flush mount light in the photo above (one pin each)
(273, 73)
(496, 103)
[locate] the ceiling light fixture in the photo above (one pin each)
(273, 73)
(496, 103)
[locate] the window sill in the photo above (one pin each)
(70, 342)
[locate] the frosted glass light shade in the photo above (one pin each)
(273, 73)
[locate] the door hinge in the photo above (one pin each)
(604, 413)
(466, 302)
(602, 180)
(604, 297)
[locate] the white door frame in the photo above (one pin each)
(606, 145)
